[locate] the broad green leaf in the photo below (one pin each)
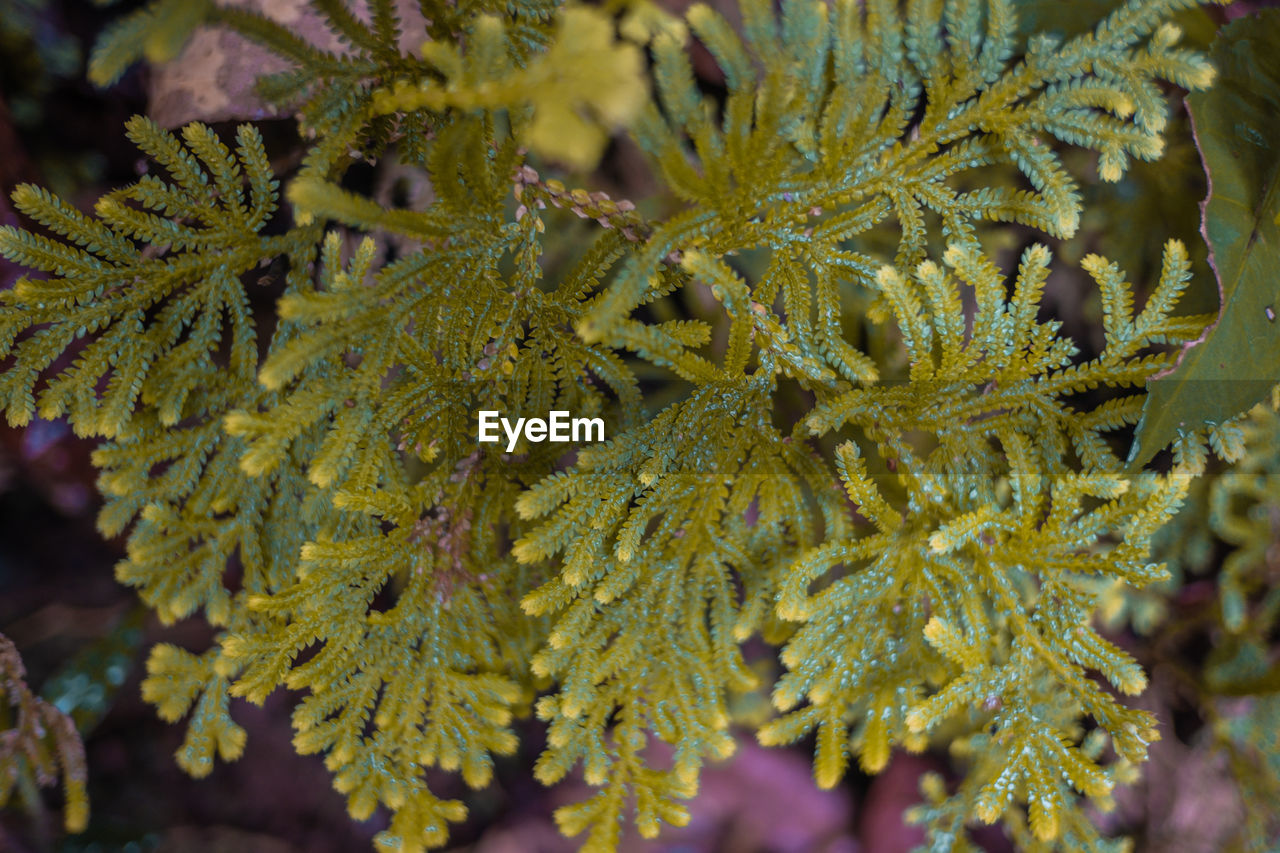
(1237, 125)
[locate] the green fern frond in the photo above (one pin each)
(161, 316)
(832, 422)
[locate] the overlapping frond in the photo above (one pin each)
(841, 118)
(642, 530)
(986, 543)
(894, 468)
(154, 279)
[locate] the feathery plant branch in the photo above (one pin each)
(38, 744)
(923, 535)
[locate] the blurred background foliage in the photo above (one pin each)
(1208, 636)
